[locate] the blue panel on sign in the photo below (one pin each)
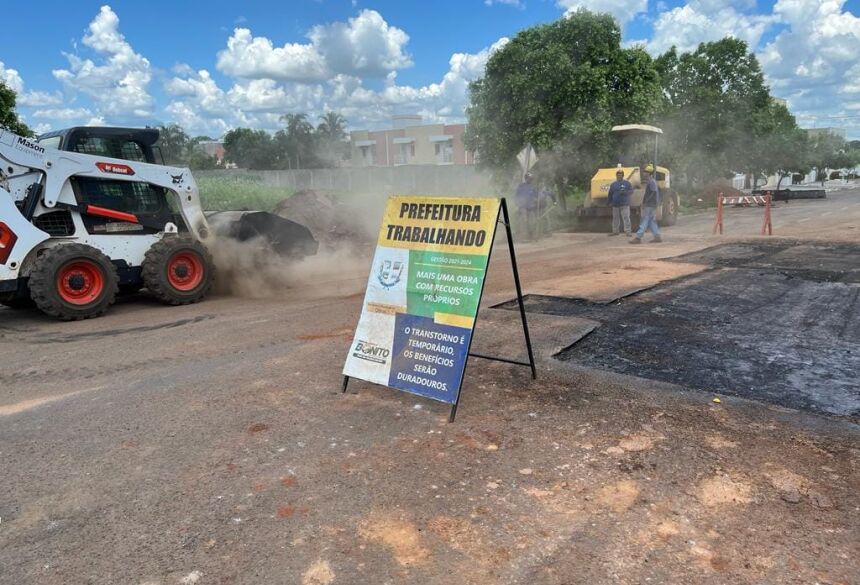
(428, 358)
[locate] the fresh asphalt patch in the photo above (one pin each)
(776, 321)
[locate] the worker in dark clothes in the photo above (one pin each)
(619, 199)
(650, 203)
(527, 204)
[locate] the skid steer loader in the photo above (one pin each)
(86, 211)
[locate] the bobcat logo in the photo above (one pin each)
(177, 178)
(389, 273)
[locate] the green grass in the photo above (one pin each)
(238, 193)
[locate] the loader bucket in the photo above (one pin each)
(284, 237)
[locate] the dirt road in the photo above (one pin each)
(211, 444)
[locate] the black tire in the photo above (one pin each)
(670, 208)
(178, 253)
(73, 282)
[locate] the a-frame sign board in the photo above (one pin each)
(423, 295)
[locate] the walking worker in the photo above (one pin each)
(619, 199)
(650, 203)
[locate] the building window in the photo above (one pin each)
(445, 152)
(368, 155)
(405, 154)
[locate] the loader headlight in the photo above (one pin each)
(7, 242)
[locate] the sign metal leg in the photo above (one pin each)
(519, 289)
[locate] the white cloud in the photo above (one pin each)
(366, 45)
(202, 107)
(119, 84)
(15, 82)
(63, 113)
(265, 95)
(814, 62)
(248, 56)
(623, 10)
(701, 21)
(40, 99)
(438, 102)
(11, 78)
(205, 93)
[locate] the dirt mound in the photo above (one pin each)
(711, 190)
(330, 222)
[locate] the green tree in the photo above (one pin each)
(296, 143)
(250, 149)
(199, 159)
(331, 138)
(8, 117)
(560, 87)
(174, 143)
(332, 126)
(719, 116)
(828, 151)
(777, 145)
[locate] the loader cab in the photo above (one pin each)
(138, 198)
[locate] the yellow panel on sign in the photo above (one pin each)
(441, 224)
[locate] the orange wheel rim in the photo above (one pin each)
(80, 282)
(185, 271)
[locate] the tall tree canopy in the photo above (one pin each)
(250, 149)
(174, 143)
(829, 151)
(719, 116)
(8, 117)
(332, 145)
(296, 144)
(560, 87)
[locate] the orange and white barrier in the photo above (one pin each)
(765, 201)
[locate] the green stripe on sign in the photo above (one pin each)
(444, 283)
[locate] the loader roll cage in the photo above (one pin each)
(134, 144)
(157, 204)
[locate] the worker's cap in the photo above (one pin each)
(649, 169)
(619, 172)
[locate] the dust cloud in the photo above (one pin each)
(345, 229)
(250, 269)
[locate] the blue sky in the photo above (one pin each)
(216, 65)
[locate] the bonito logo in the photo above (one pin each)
(389, 273)
(365, 350)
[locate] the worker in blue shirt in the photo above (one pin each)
(650, 203)
(619, 199)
